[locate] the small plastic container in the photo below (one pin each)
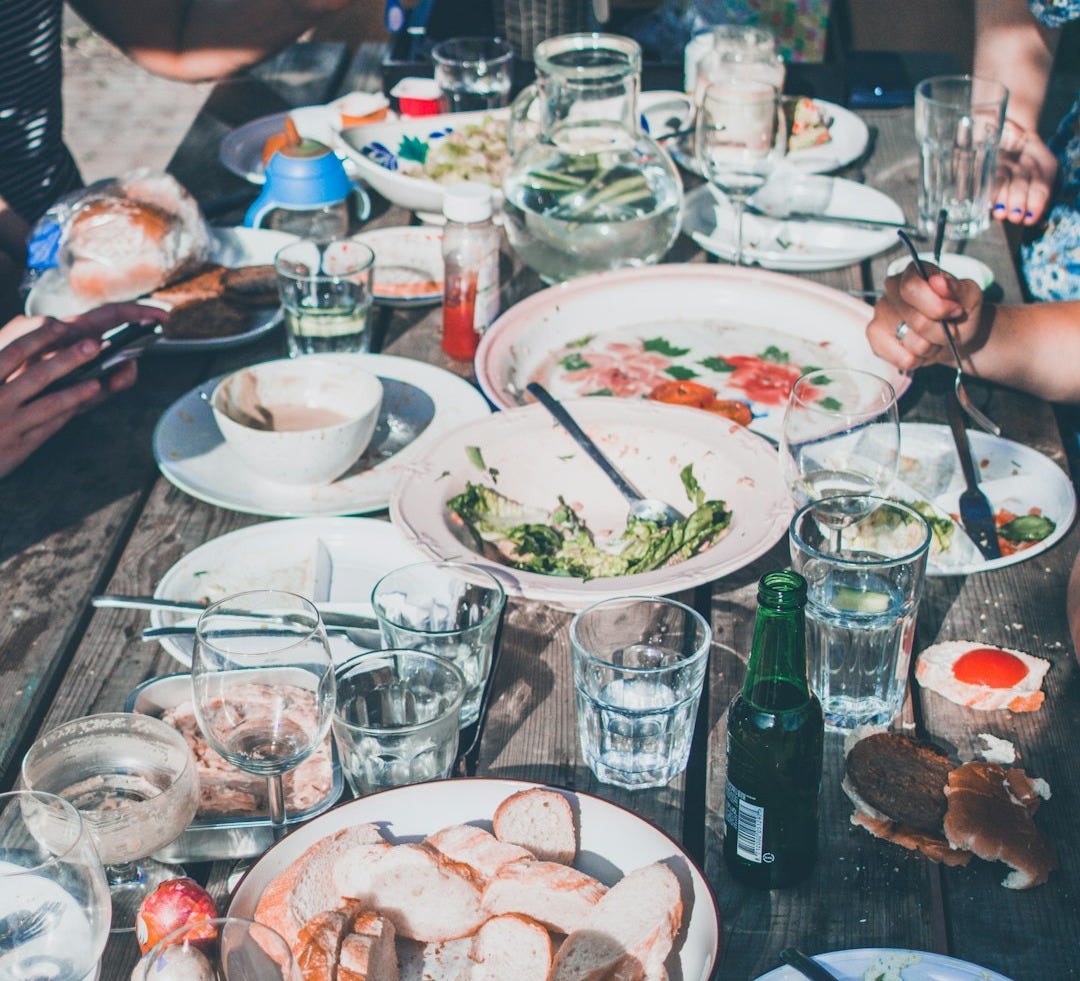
(470, 268)
(960, 266)
(417, 97)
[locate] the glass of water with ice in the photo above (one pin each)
(639, 666)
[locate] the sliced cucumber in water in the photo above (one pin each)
(860, 600)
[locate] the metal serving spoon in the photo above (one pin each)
(641, 507)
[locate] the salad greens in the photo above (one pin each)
(559, 543)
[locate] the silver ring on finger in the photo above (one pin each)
(902, 331)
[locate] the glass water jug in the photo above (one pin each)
(587, 190)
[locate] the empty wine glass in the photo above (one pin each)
(263, 685)
(134, 781)
(54, 900)
(840, 439)
(741, 137)
(224, 949)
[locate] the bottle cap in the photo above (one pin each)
(468, 201)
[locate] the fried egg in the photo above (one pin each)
(981, 677)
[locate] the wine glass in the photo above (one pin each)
(54, 900)
(135, 783)
(741, 137)
(263, 685)
(840, 439)
(227, 948)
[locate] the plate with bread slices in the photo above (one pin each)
(486, 878)
(228, 300)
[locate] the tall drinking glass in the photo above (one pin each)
(741, 136)
(54, 900)
(263, 684)
(840, 440)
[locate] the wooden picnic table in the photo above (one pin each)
(89, 513)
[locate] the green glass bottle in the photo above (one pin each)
(774, 747)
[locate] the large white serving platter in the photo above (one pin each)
(421, 403)
(537, 461)
(919, 965)
(629, 317)
(232, 247)
(613, 842)
(333, 561)
(1014, 477)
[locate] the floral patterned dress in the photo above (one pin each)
(1051, 263)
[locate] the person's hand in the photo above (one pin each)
(37, 351)
(1025, 177)
(906, 327)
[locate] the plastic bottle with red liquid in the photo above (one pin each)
(470, 250)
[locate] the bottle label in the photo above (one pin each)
(486, 308)
(748, 820)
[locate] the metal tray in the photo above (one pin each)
(207, 840)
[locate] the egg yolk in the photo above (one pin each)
(990, 667)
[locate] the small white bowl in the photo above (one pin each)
(302, 420)
(960, 266)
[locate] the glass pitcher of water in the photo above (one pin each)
(587, 190)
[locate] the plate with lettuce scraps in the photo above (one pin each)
(888, 964)
(514, 493)
(1031, 497)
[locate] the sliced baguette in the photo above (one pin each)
(558, 896)
(540, 821)
(318, 945)
(480, 850)
(367, 954)
(509, 946)
(630, 933)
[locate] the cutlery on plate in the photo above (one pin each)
(362, 637)
(975, 513)
(805, 965)
(778, 213)
(641, 507)
(961, 393)
(330, 617)
(22, 926)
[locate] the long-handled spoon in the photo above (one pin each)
(805, 965)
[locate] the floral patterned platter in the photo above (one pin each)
(746, 333)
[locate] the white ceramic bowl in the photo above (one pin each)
(299, 420)
(960, 266)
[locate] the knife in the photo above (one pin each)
(975, 513)
(330, 618)
(851, 220)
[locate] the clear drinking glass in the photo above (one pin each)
(396, 720)
(448, 608)
(732, 51)
(134, 781)
(54, 900)
(840, 437)
(223, 949)
(639, 666)
(263, 684)
(473, 73)
(861, 605)
(326, 295)
(741, 137)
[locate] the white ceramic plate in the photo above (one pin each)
(420, 404)
(627, 331)
(408, 265)
(613, 842)
(334, 561)
(382, 153)
(231, 247)
(537, 461)
(241, 148)
(921, 965)
(795, 246)
(1014, 477)
(849, 137)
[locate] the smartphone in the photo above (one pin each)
(119, 345)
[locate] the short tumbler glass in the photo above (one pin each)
(473, 73)
(639, 666)
(862, 598)
(448, 608)
(396, 718)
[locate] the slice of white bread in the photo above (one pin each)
(318, 944)
(320, 879)
(423, 893)
(476, 848)
(509, 946)
(367, 954)
(560, 897)
(630, 933)
(540, 821)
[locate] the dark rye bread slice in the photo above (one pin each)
(252, 286)
(901, 777)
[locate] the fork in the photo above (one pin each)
(23, 926)
(961, 393)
